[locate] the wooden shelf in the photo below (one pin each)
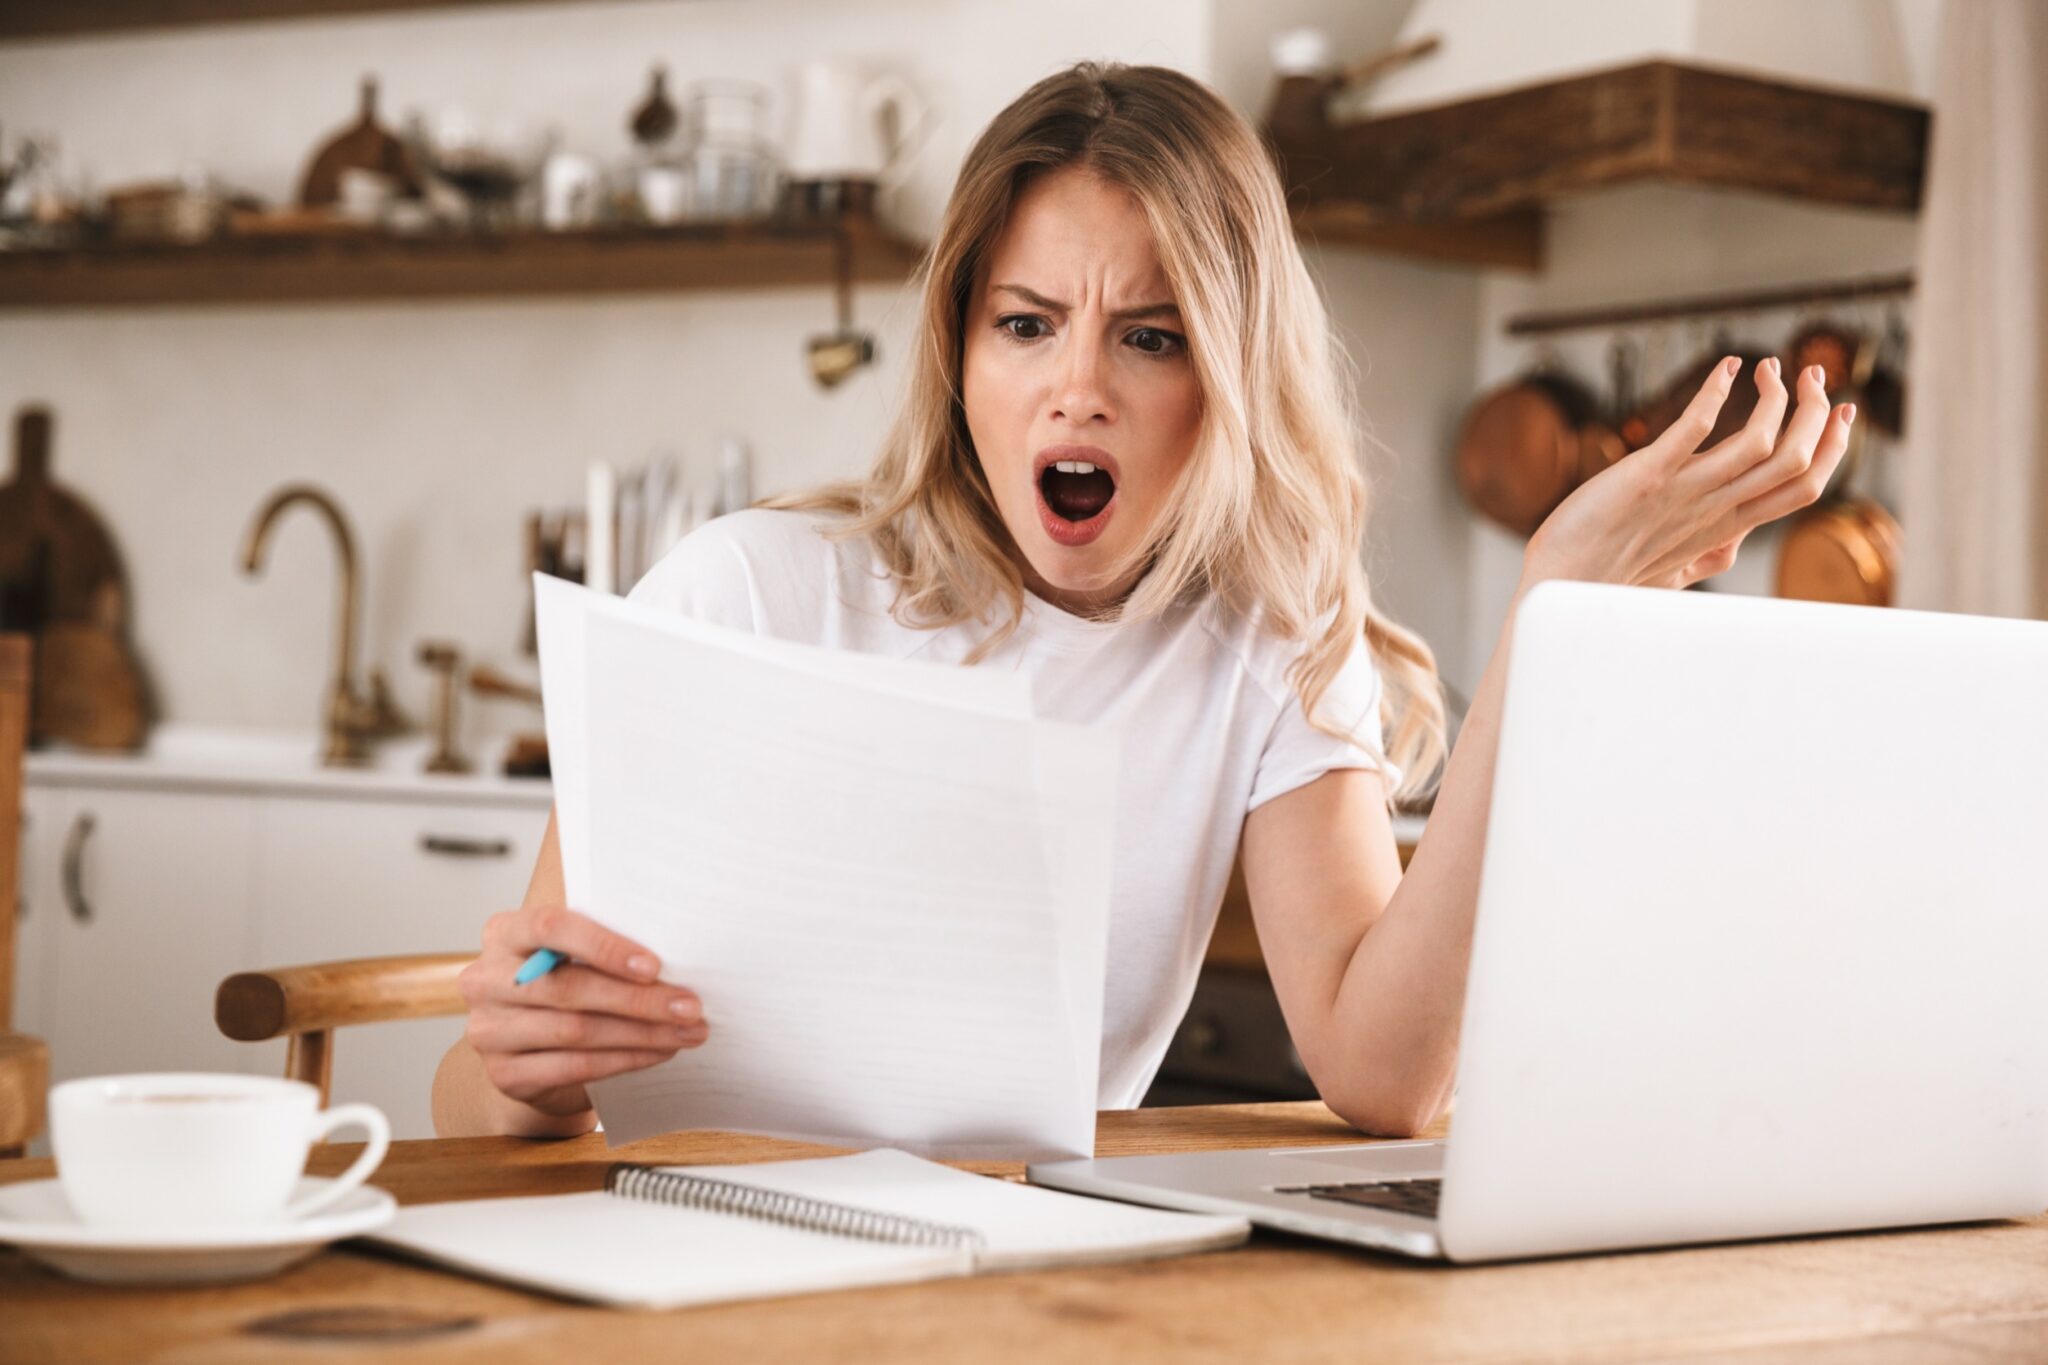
(59, 18)
(335, 268)
(1469, 181)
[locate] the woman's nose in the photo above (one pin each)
(1081, 393)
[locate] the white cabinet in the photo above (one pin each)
(142, 890)
(338, 879)
(39, 910)
(151, 908)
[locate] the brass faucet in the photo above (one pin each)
(351, 720)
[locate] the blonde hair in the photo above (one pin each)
(1270, 513)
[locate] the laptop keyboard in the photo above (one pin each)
(1416, 1197)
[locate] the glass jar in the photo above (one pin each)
(734, 172)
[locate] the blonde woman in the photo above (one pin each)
(1126, 467)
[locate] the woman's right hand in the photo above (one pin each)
(599, 1013)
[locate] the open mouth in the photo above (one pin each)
(1075, 490)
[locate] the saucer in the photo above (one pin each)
(35, 1216)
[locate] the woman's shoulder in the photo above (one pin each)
(1270, 658)
(749, 567)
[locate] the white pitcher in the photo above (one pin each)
(838, 133)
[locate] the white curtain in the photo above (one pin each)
(1974, 499)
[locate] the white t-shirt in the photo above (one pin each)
(1211, 730)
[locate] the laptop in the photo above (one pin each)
(1761, 946)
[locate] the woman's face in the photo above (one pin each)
(1079, 394)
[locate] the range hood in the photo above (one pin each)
(1457, 154)
(1874, 47)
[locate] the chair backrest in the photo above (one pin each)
(14, 685)
(304, 1005)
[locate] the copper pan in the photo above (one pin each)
(1518, 455)
(1844, 548)
(1650, 420)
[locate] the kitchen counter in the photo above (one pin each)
(200, 758)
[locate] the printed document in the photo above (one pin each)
(888, 881)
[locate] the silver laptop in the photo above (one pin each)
(1761, 949)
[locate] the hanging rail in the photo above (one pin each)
(1709, 305)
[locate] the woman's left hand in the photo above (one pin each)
(1670, 513)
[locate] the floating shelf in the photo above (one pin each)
(55, 18)
(368, 266)
(1469, 181)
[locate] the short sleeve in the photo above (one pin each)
(1298, 753)
(704, 576)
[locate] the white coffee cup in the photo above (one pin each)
(192, 1149)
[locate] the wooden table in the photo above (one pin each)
(1978, 1292)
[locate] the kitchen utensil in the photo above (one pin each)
(486, 681)
(1844, 548)
(1600, 441)
(1654, 417)
(1518, 454)
(38, 1220)
(1884, 393)
(837, 354)
(655, 121)
(853, 129)
(488, 163)
(365, 146)
(446, 662)
(88, 691)
(190, 209)
(1307, 80)
(735, 475)
(662, 177)
(174, 1151)
(1831, 346)
(733, 172)
(571, 192)
(61, 580)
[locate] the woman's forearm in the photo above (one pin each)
(1400, 1000)
(466, 1104)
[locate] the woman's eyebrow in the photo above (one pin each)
(1038, 300)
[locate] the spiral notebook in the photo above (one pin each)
(669, 1237)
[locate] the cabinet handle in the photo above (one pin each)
(454, 847)
(74, 867)
(21, 896)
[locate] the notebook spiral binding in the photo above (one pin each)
(752, 1201)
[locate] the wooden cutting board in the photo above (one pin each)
(61, 581)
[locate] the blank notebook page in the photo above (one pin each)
(1025, 1225)
(614, 1249)
(630, 1252)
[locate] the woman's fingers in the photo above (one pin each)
(1758, 437)
(572, 935)
(1789, 496)
(1797, 449)
(525, 1074)
(1726, 531)
(1696, 423)
(545, 1030)
(576, 987)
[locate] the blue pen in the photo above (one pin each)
(543, 961)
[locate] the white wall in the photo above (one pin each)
(440, 425)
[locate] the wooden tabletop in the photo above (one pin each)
(1978, 1292)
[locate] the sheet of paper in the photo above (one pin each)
(561, 607)
(888, 883)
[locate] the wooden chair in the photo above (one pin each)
(304, 1005)
(24, 1061)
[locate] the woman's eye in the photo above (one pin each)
(1153, 341)
(1022, 326)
